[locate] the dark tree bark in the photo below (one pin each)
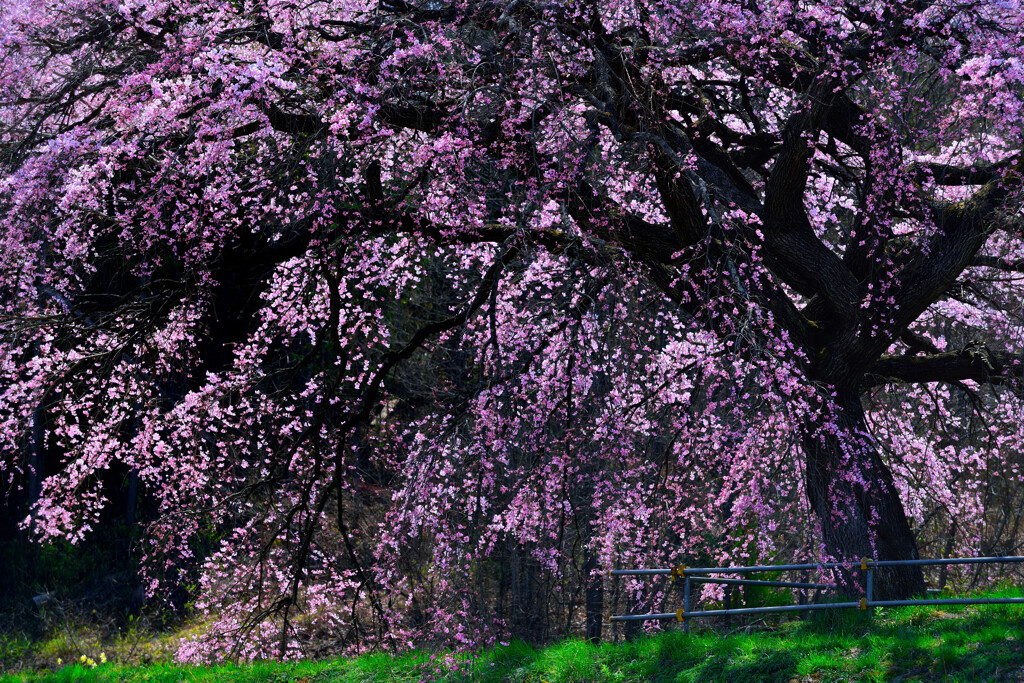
(852, 492)
(521, 601)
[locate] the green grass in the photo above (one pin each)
(983, 643)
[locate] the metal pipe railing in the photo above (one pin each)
(824, 565)
(683, 615)
(951, 560)
(699, 574)
(757, 582)
(947, 601)
(729, 570)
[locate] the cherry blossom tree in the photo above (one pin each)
(432, 312)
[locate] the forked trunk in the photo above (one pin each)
(852, 492)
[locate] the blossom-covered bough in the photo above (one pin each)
(430, 312)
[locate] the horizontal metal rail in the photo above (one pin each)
(947, 601)
(756, 582)
(947, 561)
(765, 568)
(681, 615)
(730, 570)
(644, 617)
(690, 571)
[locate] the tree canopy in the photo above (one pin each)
(411, 319)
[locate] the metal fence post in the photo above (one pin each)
(870, 588)
(869, 576)
(728, 605)
(686, 603)
(802, 595)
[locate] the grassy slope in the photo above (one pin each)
(924, 644)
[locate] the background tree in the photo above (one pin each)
(391, 295)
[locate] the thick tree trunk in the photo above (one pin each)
(521, 596)
(852, 492)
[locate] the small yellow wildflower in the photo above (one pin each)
(59, 661)
(82, 659)
(103, 658)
